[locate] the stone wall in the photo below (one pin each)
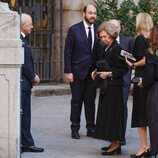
(11, 58)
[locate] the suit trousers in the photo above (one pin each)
(26, 137)
(126, 91)
(82, 92)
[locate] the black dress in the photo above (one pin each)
(139, 118)
(110, 115)
(150, 82)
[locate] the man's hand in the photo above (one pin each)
(69, 77)
(36, 79)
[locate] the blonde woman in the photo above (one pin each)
(144, 24)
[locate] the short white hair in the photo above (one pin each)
(24, 18)
(117, 23)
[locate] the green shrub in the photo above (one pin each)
(126, 12)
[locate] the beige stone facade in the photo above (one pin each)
(11, 58)
(72, 13)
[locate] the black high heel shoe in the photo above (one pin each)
(106, 148)
(116, 151)
(145, 154)
(148, 153)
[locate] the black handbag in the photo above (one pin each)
(101, 65)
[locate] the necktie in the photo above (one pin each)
(90, 37)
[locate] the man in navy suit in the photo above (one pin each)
(126, 43)
(79, 61)
(29, 77)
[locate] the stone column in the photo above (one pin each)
(11, 58)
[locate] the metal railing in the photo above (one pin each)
(43, 39)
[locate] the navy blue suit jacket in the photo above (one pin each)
(28, 72)
(126, 43)
(78, 56)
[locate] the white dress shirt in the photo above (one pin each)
(87, 30)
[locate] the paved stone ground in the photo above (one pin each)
(51, 130)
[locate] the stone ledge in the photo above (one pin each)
(49, 90)
(56, 89)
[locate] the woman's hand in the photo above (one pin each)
(93, 74)
(105, 74)
(136, 64)
(128, 62)
(140, 83)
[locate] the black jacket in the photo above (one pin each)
(112, 56)
(28, 72)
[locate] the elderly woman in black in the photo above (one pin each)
(110, 116)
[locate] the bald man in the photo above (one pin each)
(126, 43)
(78, 56)
(29, 77)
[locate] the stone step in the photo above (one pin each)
(55, 89)
(51, 89)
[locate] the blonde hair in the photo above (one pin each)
(108, 27)
(144, 23)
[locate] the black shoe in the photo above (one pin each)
(116, 151)
(106, 148)
(140, 155)
(148, 153)
(123, 142)
(90, 133)
(75, 135)
(21, 151)
(32, 149)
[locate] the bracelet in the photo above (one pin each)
(133, 66)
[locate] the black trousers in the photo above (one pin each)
(82, 92)
(26, 137)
